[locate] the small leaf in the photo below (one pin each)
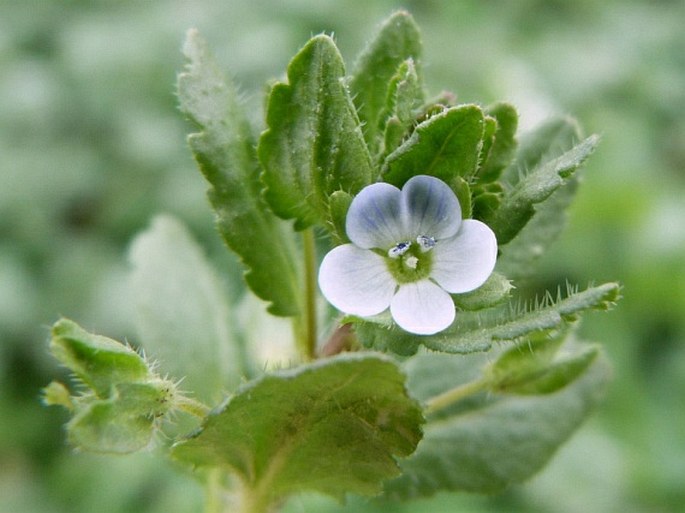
(531, 368)
(494, 291)
(504, 143)
(334, 426)
(493, 441)
(313, 145)
(182, 313)
(405, 99)
(97, 361)
(478, 331)
(339, 204)
(517, 206)
(397, 41)
(224, 150)
(446, 145)
(119, 413)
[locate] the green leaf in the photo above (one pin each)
(478, 331)
(182, 313)
(122, 423)
(503, 146)
(97, 361)
(446, 145)
(333, 426)
(547, 141)
(494, 291)
(119, 412)
(405, 99)
(313, 145)
(517, 206)
(488, 443)
(397, 41)
(224, 150)
(531, 368)
(339, 204)
(518, 257)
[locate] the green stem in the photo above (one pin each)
(454, 395)
(309, 335)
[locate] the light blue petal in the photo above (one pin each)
(356, 281)
(463, 262)
(422, 307)
(430, 208)
(374, 218)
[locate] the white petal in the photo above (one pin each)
(422, 308)
(465, 261)
(374, 218)
(356, 281)
(430, 208)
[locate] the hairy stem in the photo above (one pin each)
(191, 406)
(454, 395)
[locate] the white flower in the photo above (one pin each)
(410, 250)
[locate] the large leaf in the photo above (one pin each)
(478, 331)
(491, 441)
(182, 314)
(224, 150)
(334, 426)
(446, 146)
(517, 206)
(313, 145)
(397, 41)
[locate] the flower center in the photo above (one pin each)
(411, 261)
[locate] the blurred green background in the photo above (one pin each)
(92, 146)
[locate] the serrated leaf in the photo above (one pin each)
(334, 426)
(397, 41)
(99, 362)
(313, 145)
(181, 311)
(224, 150)
(503, 147)
(446, 145)
(478, 331)
(491, 442)
(517, 206)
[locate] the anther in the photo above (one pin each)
(399, 249)
(425, 243)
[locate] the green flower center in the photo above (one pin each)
(410, 262)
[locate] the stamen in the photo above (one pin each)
(425, 243)
(399, 249)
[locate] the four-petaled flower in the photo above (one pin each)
(410, 250)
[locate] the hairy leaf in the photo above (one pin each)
(517, 206)
(447, 145)
(224, 150)
(397, 41)
(478, 331)
(492, 441)
(334, 426)
(313, 145)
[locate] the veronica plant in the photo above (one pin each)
(425, 208)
